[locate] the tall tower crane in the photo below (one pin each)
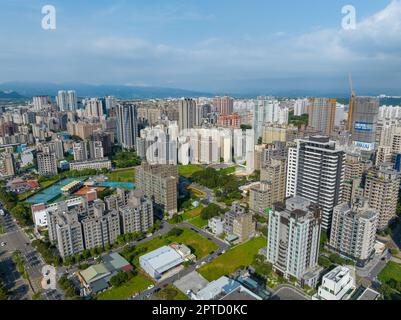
(351, 104)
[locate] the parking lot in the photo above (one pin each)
(192, 281)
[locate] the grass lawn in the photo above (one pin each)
(136, 284)
(188, 170)
(171, 293)
(391, 271)
(230, 261)
(228, 170)
(198, 222)
(122, 175)
(192, 213)
(200, 246)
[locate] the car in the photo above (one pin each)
(197, 266)
(3, 244)
(151, 287)
(203, 263)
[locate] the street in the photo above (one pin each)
(374, 267)
(16, 239)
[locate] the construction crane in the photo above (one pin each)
(351, 103)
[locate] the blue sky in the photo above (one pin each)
(217, 46)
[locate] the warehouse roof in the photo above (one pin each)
(162, 259)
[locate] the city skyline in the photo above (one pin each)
(260, 47)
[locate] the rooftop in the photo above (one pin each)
(162, 259)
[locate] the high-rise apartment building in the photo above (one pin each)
(260, 197)
(100, 228)
(362, 120)
(293, 239)
(268, 111)
(223, 105)
(40, 102)
(62, 100)
(80, 151)
(65, 231)
(319, 173)
(7, 164)
(187, 113)
(244, 227)
(127, 125)
(353, 231)
(67, 100)
(47, 163)
(72, 101)
(96, 224)
(94, 108)
(322, 113)
(137, 215)
(275, 171)
(159, 183)
(96, 150)
(382, 187)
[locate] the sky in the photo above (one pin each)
(232, 46)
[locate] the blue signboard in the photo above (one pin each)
(363, 126)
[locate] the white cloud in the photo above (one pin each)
(372, 51)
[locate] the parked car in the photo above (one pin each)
(3, 244)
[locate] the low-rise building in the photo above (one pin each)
(96, 164)
(216, 225)
(338, 284)
(225, 288)
(161, 263)
(96, 278)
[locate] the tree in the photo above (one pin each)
(386, 290)
(119, 279)
(126, 159)
(68, 287)
(260, 140)
(261, 266)
(177, 218)
(212, 210)
(3, 291)
(175, 232)
(245, 127)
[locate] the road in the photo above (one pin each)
(210, 198)
(16, 239)
(374, 267)
(222, 247)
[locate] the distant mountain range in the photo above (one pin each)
(26, 90)
(10, 95)
(30, 89)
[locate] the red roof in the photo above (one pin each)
(127, 268)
